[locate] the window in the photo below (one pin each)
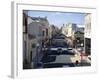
(46, 32)
(43, 33)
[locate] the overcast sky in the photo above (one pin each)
(59, 18)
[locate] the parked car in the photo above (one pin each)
(58, 46)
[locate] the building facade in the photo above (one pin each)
(88, 34)
(35, 34)
(69, 30)
(64, 30)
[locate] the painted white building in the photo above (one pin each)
(69, 29)
(64, 30)
(88, 26)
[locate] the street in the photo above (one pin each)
(59, 53)
(51, 41)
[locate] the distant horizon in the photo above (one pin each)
(59, 18)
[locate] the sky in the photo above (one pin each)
(59, 18)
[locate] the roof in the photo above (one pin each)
(39, 18)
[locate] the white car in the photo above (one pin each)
(68, 59)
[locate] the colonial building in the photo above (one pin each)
(35, 34)
(39, 29)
